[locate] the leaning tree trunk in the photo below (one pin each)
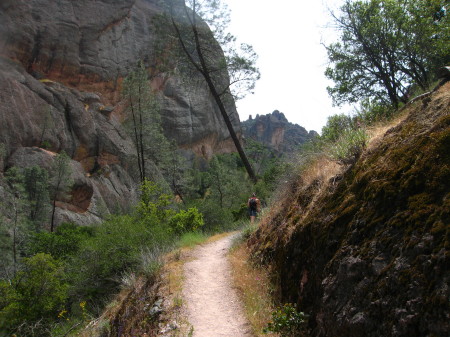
(202, 68)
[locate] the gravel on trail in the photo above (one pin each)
(212, 305)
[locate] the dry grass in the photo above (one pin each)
(254, 289)
(171, 291)
(101, 325)
(377, 131)
(322, 168)
(312, 177)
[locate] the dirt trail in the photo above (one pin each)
(212, 305)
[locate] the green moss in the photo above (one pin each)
(385, 205)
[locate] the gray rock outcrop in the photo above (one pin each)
(61, 68)
(275, 131)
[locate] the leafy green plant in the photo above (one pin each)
(114, 248)
(287, 321)
(214, 217)
(371, 111)
(247, 229)
(186, 221)
(415, 35)
(143, 121)
(241, 212)
(36, 186)
(37, 293)
(151, 260)
(46, 144)
(336, 124)
(154, 202)
(15, 226)
(62, 243)
(61, 182)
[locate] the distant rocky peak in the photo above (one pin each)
(275, 131)
(280, 116)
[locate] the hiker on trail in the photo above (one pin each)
(253, 207)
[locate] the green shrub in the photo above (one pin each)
(37, 293)
(115, 248)
(216, 219)
(349, 146)
(287, 321)
(154, 202)
(240, 213)
(336, 124)
(186, 221)
(371, 112)
(62, 243)
(247, 229)
(151, 260)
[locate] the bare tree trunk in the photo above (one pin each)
(138, 151)
(52, 224)
(14, 244)
(202, 68)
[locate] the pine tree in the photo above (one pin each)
(143, 120)
(60, 182)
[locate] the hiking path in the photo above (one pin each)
(211, 303)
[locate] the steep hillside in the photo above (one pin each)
(364, 251)
(275, 131)
(61, 68)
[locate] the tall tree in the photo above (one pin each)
(176, 171)
(14, 225)
(144, 121)
(386, 46)
(205, 50)
(60, 182)
(36, 185)
(228, 185)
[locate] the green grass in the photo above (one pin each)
(191, 239)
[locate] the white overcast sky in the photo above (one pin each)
(287, 36)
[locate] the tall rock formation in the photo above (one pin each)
(275, 131)
(61, 68)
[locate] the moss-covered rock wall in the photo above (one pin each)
(366, 252)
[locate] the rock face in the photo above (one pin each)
(275, 131)
(365, 252)
(61, 68)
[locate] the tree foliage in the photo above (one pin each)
(177, 172)
(143, 120)
(36, 182)
(60, 182)
(336, 125)
(37, 292)
(189, 220)
(385, 47)
(62, 243)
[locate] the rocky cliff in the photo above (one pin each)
(275, 131)
(364, 250)
(61, 68)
